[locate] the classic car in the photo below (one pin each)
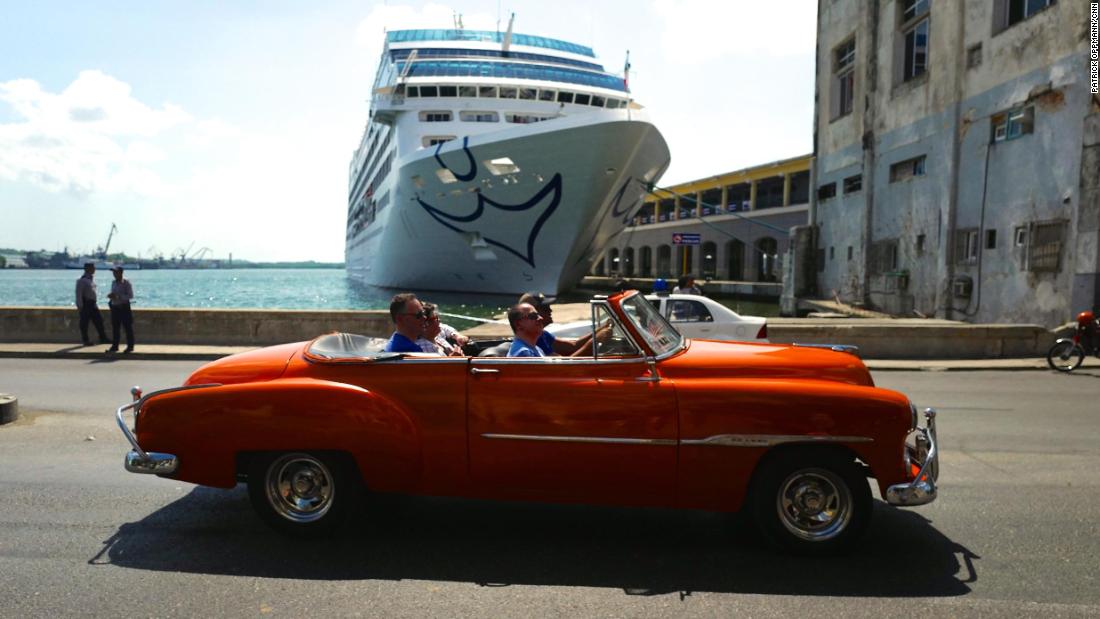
(693, 316)
(788, 433)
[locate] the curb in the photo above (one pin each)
(134, 356)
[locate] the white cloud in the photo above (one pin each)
(700, 30)
(92, 136)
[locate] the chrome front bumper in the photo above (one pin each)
(138, 460)
(922, 490)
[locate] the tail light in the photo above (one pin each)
(762, 334)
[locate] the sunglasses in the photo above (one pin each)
(531, 316)
(421, 314)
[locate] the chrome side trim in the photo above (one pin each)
(720, 440)
(583, 439)
(770, 440)
(848, 348)
(556, 360)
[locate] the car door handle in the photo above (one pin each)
(483, 371)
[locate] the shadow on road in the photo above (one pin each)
(641, 551)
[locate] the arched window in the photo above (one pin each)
(647, 261)
(767, 258)
(664, 261)
(628, 262)
(598, 268)
(735, 260)
(708, 260)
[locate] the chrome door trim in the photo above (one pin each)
(770, 440)
(583, 439)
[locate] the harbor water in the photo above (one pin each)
(309, 289)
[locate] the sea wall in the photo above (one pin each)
(225, 327)
(877, 339)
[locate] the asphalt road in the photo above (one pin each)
(1014, 532)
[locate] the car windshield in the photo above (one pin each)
(658, 333)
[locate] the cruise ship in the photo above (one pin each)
(494, 162)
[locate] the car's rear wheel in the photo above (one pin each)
(302, 493)
(811, 501)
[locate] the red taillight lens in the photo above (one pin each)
(763, 332)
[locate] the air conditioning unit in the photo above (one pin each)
(962, 286)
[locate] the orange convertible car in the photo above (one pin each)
(788, 433)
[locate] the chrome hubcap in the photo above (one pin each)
(299, 487)
(814, 504)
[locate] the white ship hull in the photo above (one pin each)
(493, 229)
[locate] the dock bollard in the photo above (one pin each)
(9, 408)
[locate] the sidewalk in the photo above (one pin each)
(174, 352)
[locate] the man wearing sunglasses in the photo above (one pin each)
(527, 325)
(408, 320)
(549, 344)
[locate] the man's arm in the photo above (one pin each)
(80, 294)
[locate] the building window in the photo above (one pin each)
(884, 256)
(966, 246)
(448, 91)
(832, 252)
(1045, 250)
(581, 99)
(565, 97)
(920, 243)
(974, 56)
(844, 78)
(1020, 236)
(827, 191)
(435, 117)
(467, 91)
(849, 252)
(914, 30)
(853, 184)
(429, 91)
(487, 92)
(479, 117)
(991, 239)
(904, 170)
(1009, 12)
(1012, 124)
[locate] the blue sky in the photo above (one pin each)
(230, 125)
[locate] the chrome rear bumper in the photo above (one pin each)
(922, 490)
(138, 460)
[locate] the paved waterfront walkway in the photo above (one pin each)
(206, 353)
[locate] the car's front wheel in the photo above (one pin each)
(303, 493)
(811, 501)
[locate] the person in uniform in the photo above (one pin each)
(86, 299)
(122, 293)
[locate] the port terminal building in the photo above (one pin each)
(733, 226)
(957, 160)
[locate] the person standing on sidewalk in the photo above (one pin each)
(122, 293)
(86, 299)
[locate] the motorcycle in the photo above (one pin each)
(1068, 353)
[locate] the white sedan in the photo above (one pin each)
(693, 316)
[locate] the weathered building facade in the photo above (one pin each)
(741, 218)
(957, 167)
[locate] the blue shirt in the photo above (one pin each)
(523, 349)
(400, 343)
(546, 343)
